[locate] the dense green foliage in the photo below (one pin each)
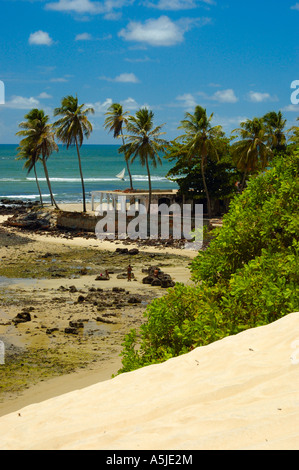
(221, 175)
(247, 277)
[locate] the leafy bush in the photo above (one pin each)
(263, 217)
(247, 277)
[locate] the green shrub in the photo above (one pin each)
(247, 277)
(263, 217)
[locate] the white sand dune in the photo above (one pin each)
(238, 393)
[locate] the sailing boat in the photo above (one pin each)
(121, 175)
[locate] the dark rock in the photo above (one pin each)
(71, 330)
(22, 317)
(81, 298)
(118, 289)
(122, 251)
(147, 279)
(102, 277)
(62, 288)
(165, 283)
(49, 331)
(133, 251)
(73, 289)
(134, 300)
(76, 324)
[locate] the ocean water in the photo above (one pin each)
(100, 165)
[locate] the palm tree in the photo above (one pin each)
(199, 141)
(115, 121)
(294, 131)
(252, 152)
(39, 141)
(72, 127)
(144, 142)
(29, 155)
(276, 125)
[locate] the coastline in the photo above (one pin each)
(90, 357)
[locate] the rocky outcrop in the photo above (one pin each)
(156, 277)
(22, 317)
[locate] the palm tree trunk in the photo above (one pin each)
(53, 202)
(36, 179)
(81, 175)
(128, 167)
(149, 186)
(243, 180)
(205, 186)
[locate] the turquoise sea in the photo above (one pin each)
(100, 165)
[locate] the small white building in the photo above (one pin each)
(123, 200)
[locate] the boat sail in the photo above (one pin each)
(121, 175)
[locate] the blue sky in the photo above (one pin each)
(235, 58)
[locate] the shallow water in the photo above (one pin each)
(6, 281)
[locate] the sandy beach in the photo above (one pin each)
(54, 277)
(57, 386)
(190, 402)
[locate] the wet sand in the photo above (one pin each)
(93, 354)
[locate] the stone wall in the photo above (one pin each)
(77, 221)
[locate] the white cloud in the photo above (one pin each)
(172, 4)
(123, 78)
(293, 108)
(229, 123)
(89, 7)
(59, 80)
(187, 101)
(141, 60)
(83, 37)
(99, 107)
(130, 104)
(225, 96)
(257, 97)
(176, 4)
(44, 96)
(159, 32)
(40, 38)
(295, 7)
(76, 6)
(21, 102)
